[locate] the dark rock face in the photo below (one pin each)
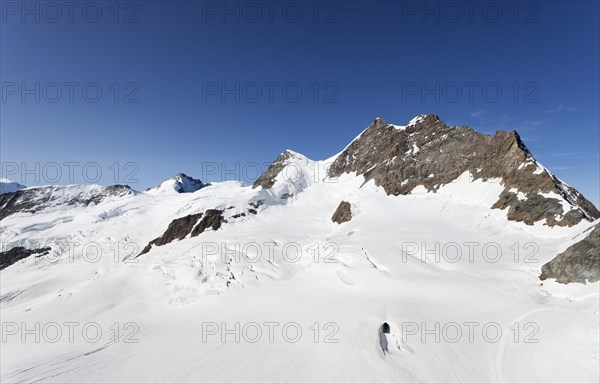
(33, 200)
(535, 208)
(267, 179)
(578, 263)
(343, 213)
(192, 225)
(15, 254)
(177, 229)
(427, 152)
(213, 218)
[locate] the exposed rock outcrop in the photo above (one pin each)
(213, 218)
(15, 254)
(578, 263)
(343, 213)
(427, 152)
(192, 225)
(267, 179)
(35, 199)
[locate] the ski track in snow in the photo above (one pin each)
(502, 346)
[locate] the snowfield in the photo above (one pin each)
(286, 295)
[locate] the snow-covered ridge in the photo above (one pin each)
(180, 183)
(415, 120)
(7, 186)
(59, 197)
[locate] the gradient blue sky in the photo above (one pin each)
(364, 56)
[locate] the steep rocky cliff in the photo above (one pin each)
(428, 152)
(578, 263)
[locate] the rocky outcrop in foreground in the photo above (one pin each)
(578, 263)
(192, 225)
(15, 254)
(343, 213)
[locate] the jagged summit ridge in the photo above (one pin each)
(180, 183)
(427, 152)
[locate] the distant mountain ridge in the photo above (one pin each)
(36, 199)
(180, 183)
(7, 186)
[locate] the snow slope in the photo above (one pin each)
(426, 263)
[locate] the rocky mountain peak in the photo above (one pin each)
(267, 179)
(426, 152)
(180, 183)
(424, 120)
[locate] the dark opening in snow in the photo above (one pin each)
(383, 343)
(385, 328)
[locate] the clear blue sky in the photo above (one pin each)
(352, 61)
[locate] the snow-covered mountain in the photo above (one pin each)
(413, 255)
(58, 197)
(7, 185)
(180, 183)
